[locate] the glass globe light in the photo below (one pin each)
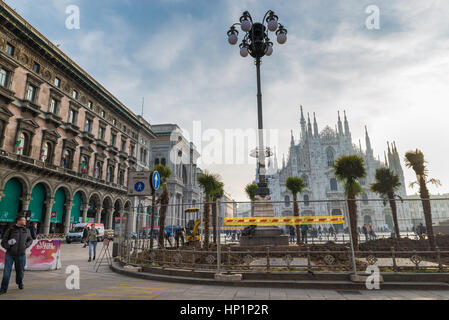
(273, 25)
(232, 39)
(246, 25)
(282, 38)
(269, 51)
(244, 52)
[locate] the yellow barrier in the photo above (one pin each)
(292, 221)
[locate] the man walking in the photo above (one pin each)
(365, 232)
(92, 238)
(15, 240)
(304, 230)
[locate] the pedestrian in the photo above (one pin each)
(92, 239)
(304, 230)
(33, 230)
(177, 236)
(371, 231)
(365, 232)
(85, 232)
(15, 240)
(292, 234)
(319, 230)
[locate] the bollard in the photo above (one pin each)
(440, 266)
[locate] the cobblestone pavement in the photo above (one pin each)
(107, 285)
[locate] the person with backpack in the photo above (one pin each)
(92, 239)
(15, 241)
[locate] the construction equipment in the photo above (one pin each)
(193, 227)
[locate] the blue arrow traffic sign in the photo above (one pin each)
(155, 180)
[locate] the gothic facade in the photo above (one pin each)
(312, 158)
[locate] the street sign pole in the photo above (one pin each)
(218, 237)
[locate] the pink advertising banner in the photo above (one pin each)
(41, 255)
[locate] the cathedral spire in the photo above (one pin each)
(340, 125)
(292, 139)
(315, 126)
(386, 162)
(283, 160)
(309, 126)
(369, 150)
(360, 146)
(303, 125)
(347, 132)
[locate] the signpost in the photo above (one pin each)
(53, 219)
(155, 184)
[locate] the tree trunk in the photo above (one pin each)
(296, 214)
(164, 202)
(394, 213)
(214, 221)
(352, 208)
(252, 208)
(424, 194)
(206, 223)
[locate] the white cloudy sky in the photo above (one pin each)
(175, 54)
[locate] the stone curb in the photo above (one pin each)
(295, 284)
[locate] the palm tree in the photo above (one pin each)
(387, 183)
(295, 185)
(415, 160)
(207, 181)
(216, 194)
(164, 199)
(251, 190)
(349, 169)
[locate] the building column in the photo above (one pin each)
(47, 219)
(26, 201)
(85, 209)
(68, 216)
(98, 215)
(110, 213)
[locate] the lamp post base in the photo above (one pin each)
(255, 236)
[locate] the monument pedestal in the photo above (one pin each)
(264, 235)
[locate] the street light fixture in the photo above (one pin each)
(257, 44)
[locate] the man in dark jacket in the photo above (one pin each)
(15, 241)
(85, 232)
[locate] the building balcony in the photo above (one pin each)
(113, 150)
(31, 107)
(123, 155)
(101, 143)
(71, 128)
(24, 163)
(87, 137)
(55, 120)
(132, 159)
(7, 94)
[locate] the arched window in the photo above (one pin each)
(22, 143)
(287, 201)
(163, 162)
(46, 152)
(84, 165)
(157, 161)
(365, 198)
(306, 200)
(330, 157)
(67, 159)
(98, 170)
(305, 178)
(334, 185)
(110, 174)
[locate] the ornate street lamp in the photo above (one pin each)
(257, 44)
